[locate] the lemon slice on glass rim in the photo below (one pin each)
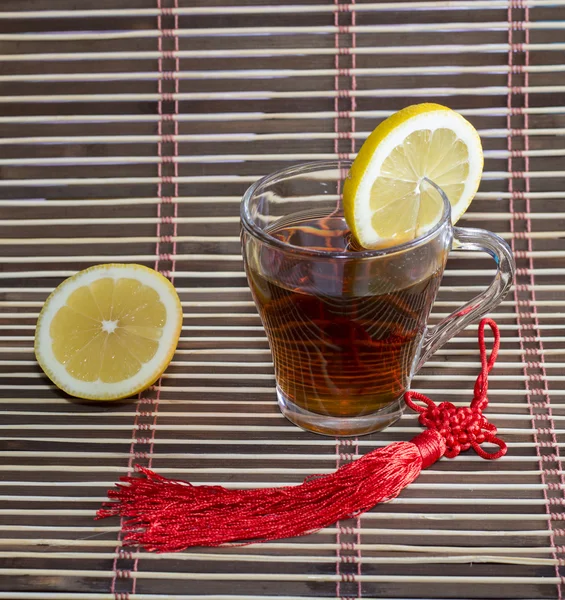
(109, 331)
(385, 199)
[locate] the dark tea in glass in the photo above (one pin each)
(338, 350)
(347, 327)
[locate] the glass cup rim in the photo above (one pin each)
(308, 167)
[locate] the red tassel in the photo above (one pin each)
(166, 515)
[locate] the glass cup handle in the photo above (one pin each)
(474, 240)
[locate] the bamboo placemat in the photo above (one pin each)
(128, 132)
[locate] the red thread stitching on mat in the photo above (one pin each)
(339, 547)
(352, 137)
(134, 454)
(345, 72)
(341, 135)
(353, 77)
(175, 143)
(336, 77)
(514, 196)
(541, 362)
(343, 530)
(358, 534)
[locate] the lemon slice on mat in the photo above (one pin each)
(385, 198)
(108, 332)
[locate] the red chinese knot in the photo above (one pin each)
(465, 427)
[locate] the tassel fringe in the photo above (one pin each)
(166, 515)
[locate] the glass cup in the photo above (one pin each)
(347, 327)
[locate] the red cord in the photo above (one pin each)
(465, 427)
